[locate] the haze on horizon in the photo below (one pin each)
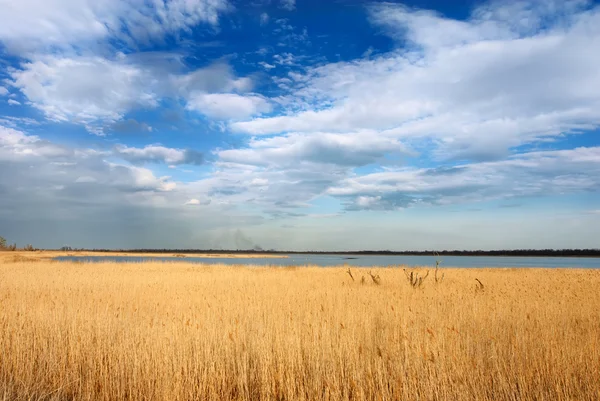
(300, 124)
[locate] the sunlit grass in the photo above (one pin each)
(173, 331)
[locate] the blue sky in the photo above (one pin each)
(324, 125)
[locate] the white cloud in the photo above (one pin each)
(3, 91)
(494, 20)
(16, 122)
(63, 164)
(367, 202)
(145, 179)
(85, 179)
(284, 173)
(349, 150)
(218, 77)
(262, 51)
(264, 19)
(11, 137)
(289, 5)
(288, 35)
(158, 154)
(274, 190)
(465, 89)
(60, 165)
(468, 92)
(98, 92)
(284, 59)
(129, 126)
(197, 202)
(525, 175)
(228, 105)
(16, 145)
(84, 89)
(71, 68)
(266, 66)
(259, 182)
(39, 192)
(28, 25)
(13, 102)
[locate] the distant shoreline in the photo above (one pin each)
(52, 253)
(570, 253)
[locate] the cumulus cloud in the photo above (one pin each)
(84, 89)
(130, 126)
(266, 66)
(158, 154)
(144, 179)
(215, 78)
(284, 59)
(464, 93)
(84, 179)
(289, 183)
(16, 145)
(289, 177)
(264, 19)
(31, 25)
(289, 5)
(351, 150)
(98, 92)
(71, 66)
(53, 193)
(524, 175)
(61, 165)
(288, 172)
(470, 89)
(196, 202)
(276, 191)
(228, 105)
(468, 98)
(13, 102)
(16, 122)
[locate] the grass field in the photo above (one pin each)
(155, 331)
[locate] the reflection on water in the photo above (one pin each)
(360, 260)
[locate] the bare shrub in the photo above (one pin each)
(415, 279)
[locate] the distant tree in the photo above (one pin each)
(2, 243)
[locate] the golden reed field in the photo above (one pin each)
(176, 331)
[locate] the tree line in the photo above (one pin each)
(505, 252)
(4, 246)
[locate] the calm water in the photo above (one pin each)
(366, 261)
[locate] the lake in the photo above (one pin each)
(362, 261)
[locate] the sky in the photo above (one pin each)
(300, 124)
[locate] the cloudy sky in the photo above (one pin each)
(300, 124)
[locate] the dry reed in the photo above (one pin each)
(176, 331)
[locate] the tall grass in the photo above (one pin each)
(183, 332)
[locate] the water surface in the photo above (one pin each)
(363, 260)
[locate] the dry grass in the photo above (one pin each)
(182, 332)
